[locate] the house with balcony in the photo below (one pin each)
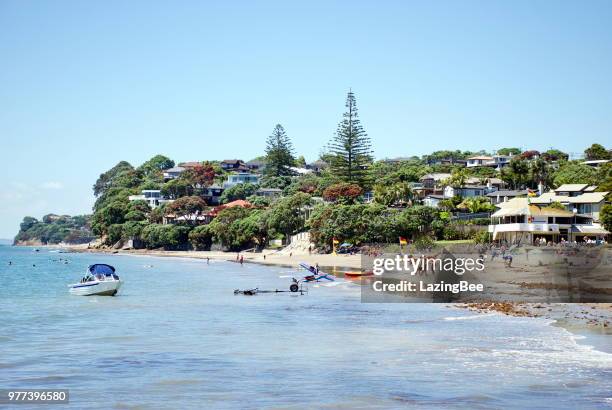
(519, 221)
(446, 161)
(152, 197)
(430, 184)
(212, 194)
(235, 165)
(241, 178)
(269, 192)
(495, 161)
(173, 173)
(467, 191)
(581, 199)
(499, 196)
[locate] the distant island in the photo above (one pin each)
(54, 229)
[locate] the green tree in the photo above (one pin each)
(300, 162)
(201, 238)
(397, 193)
(605, 216)
(574, 173)
(237, 228)
(509, 151)
(176, 188)
(279, 153)
(555, 155)
(186, 207)
(476, 204)
(168, 237)
(516, 174)
(350, 147)
(28, 222)
(156, 165)
(106, 179)
(286, 215)
(541, 173)
(238, 191)
(597, 151)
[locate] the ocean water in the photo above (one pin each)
(177, 337)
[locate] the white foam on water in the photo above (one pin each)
(471, 317)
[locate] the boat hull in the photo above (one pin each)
(96, 288)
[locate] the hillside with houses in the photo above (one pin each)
(345, 196)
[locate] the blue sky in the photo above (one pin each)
(86, 84)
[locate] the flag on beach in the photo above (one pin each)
(403, 241)
(335, 241)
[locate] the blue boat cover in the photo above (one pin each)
(102, 269)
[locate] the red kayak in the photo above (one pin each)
(354, 274)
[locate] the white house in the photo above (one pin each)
(466, 191)
(173, 173)
(520, 221)
(269, 192)
(500, 196)
(577, 198)
(241, 178)
(153, 197)
(496, 161)
(433, 200)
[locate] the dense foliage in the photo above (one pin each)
(54, 229)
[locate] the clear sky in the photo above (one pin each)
(86, 84)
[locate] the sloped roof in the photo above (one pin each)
(175, 169)
(571, 187)
(483, 157)
(522, 206)
(507, 193)
(436, 176)
(585, 198)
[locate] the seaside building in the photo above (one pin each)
(241, 178)
(596, 163)
(256, 165)
(269, 192)
(581, 199)
(173, 173)
(318, 165)
(236, 165)
(430, 184)
(446, 161)
(212, 194)
(499, 196)
(433, 200)
(519, 220)
(495, 161)
(152, 197)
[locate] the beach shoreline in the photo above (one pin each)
(581, 319)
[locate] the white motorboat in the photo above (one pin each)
(100, 280)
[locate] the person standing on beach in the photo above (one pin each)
(241, 259)
(207, 260)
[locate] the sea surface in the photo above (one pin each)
(176, 337)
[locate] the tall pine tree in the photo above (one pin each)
(279, 153)
(350, 148)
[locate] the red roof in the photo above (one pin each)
(239, 202)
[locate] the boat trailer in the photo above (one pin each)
(295, 287)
